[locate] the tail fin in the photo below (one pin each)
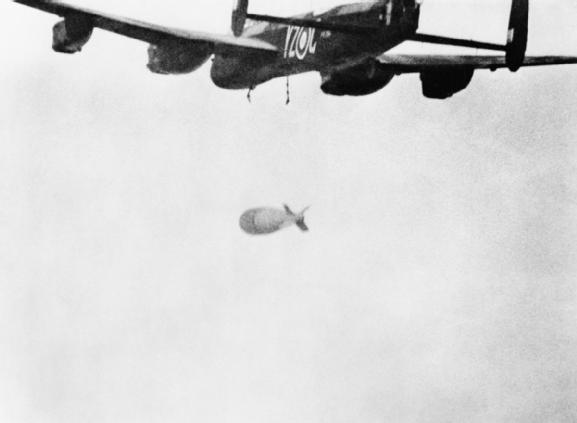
(301, 220)
(239, 17)
(518, 34)
(302, 225)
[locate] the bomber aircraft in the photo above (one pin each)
(347, 45)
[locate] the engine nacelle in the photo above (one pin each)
(363, 79)
(71, 34)
(443, 83)
(173, 57)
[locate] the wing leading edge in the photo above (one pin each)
(148, 32)
(402, 63)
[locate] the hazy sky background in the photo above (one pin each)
(437, 283)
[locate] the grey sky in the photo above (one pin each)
(437, 283)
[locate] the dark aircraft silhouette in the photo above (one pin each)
(347, 45)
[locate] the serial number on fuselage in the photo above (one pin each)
(299, 42)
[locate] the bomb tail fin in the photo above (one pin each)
(300, 222)
(302, 225)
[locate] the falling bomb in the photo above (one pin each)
(265, 220)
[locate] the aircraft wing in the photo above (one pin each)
(405, 63)
(150, 33)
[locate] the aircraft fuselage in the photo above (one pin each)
(309, 49)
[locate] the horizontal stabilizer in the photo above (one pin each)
(435, 39)
(311, 23)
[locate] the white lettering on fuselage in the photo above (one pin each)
(299, 42)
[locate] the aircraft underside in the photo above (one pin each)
(239, 73)
(345, 45)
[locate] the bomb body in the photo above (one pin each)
(266, 220)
